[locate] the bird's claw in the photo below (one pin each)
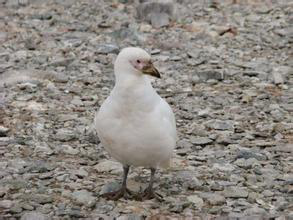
(116, 195)
(147, 194)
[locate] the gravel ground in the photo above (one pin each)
(227, 73)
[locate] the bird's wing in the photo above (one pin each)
(167, 115)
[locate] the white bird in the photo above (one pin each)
(134, 124)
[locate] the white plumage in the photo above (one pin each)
(135, 125)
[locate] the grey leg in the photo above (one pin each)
(149, 192)
(123, 190)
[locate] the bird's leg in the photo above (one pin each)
(149, 191)
(123, 190)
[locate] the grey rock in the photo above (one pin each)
(108, 166)
(84, 197)
(220, 125)
(196, 201)
(38, 198)
(107, 49)
(158, 13)
(248, 153)
(102, 208)
(159, 20)
(6, 204)
(188, 179)
(69, 150)
(34, 216)
(200, 140)
(277, 78)
(210, 75)
(3, 131)
(255, 211)
(130, 217)
(246, 164)
(224, 167)
(110, 187)
(65, 135)
(213, 198)
(235, 192)
(16, 209)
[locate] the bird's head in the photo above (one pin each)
(134, 60)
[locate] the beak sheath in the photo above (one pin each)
(151, 70)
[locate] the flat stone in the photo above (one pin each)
(213, 198)
(196, 201)
(277, 78)
(34, 216)
(107, 49)
(6, 204)
(65, 135)
(69, 150)
(235, 192)
(84, 197)
(220, 125)
(246, 164)
(159, 20)
(210, 74)
(227, 167)
(3, 131)
(248, 153)
(200, 140)
(108, 166)
(110, 187)
(130, 217)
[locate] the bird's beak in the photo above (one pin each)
(149, 69)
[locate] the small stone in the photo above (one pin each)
(108, 166)
(6, 204)
(107, 49)
(277, 78)
(16, 209)
(220, 125)
(110, 187)
(247, 153)
(159, 20)
(39, 198)
(210, 75)
(64, 135)
(158, 13)
(213, 198)
(130, 217)
(246, 164)
(81, 173)
(223, 167)
(235, 192)
(200, 140)
(197, 201)
(84, 197)
(69, 150)
(3, 131)
(34, 216)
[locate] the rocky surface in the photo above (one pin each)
(227, 72)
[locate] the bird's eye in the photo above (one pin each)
(138, 61)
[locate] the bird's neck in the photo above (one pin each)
(130, 82)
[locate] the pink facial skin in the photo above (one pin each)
(139, 64)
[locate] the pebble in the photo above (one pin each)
(235, 192)
(200, 140)
(84, 197)
(196, 201)
(34, 216)
(108, 166)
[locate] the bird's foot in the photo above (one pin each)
(115, 195)
(147, 194)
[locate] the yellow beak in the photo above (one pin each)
(151, 70)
